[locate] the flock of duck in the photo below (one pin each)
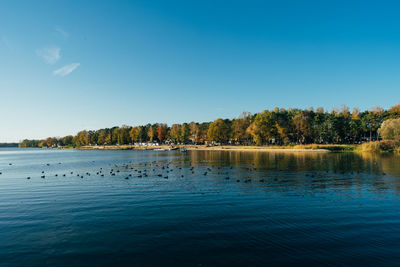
(165, 170)
(149, 169)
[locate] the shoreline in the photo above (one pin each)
(300, 148)
(325, 148)
(373, 147)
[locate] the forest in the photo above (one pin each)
(269, 127)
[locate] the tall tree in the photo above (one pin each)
(184, 133)
(263, 129)
(82, 138)
(239, 127)
(194, 132)
(137, 134)
(175, 132)
(151, 133)
(218, 131)
(302, 123)
(161, 132)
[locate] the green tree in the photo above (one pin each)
(355, 126)
(390, 130)
(101, 139)
(283, 122)
(67, 140)
(124, 135)
(184, 133)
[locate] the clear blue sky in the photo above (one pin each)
(72, 65)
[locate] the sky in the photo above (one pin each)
(66, 66)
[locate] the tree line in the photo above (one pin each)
(269, 127)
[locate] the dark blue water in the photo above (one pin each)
(250, 209)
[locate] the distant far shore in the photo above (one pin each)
(8, 144)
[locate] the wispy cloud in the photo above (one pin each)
(49, 54)
(67, 69)
(62, 32)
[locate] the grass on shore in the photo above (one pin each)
(380, 146)
(330, 147)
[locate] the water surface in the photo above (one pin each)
(207, 208)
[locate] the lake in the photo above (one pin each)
(200, 208)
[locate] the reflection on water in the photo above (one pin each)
(201, 208)
(306, 170)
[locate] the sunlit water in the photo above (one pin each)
(249, 209)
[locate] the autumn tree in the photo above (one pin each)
(194, 132)
(175, 132)
(101, 138)
(161, 132)
(81, 139)
(394, 112)
(218, 131)
(51, 141)
(151, 133)
(302, 123)
(203, 132)
(137, 134)
(263, 129)
(239, 127)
